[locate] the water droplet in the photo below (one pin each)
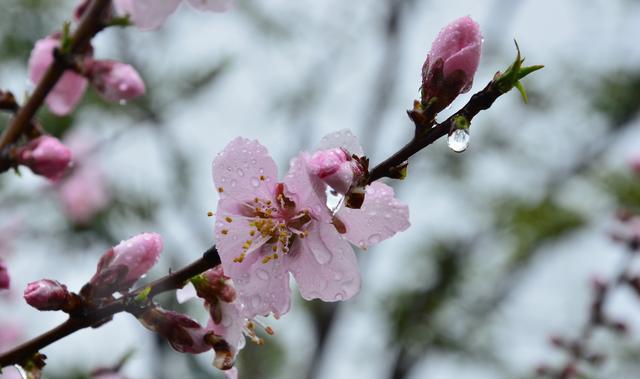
(255, 182)
(322, 255)
(233, 183)
(458, 141)
(229, 168)
(262, 274)
(374, 239)
(253, 161)
(240, 172)
(339, 297)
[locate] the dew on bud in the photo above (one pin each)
(458, 141)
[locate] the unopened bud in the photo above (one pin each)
(451, 64)
(336, 168)
(121, 266)
(47, 295)
(66, 94)
(45, 156)
(213, 284)
(4, 276)
(114, 80)
(183, 333)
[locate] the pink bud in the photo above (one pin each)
(336, 168)
(66, 94)
(45, 156)
(183, 333)
(47, 295)
(114, 80)
(452, 62)
(214, 285)
(121, 266)
(4, 276)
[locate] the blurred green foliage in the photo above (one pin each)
(618, 96)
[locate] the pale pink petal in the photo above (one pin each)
(147, 14)
(64, 97)
(10, 373)
(231, 373)
(466, 60)
(212, 5)
(324, 265)
(244, 170)
(115, 81)
(305, 189)
(84, 193)
(380, 217)
(263, 288)
(342, 139)
(230, 326)
(186, 293)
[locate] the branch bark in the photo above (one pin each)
(91, 23)
(98, 316)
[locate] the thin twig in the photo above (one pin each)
(98, 316)
(89, 26)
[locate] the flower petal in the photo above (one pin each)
(186, 293)
(147, 14)
(380, 217)
(324, 265)
(230, 326)
(343, 138)
(244, 170)
(306, 190)
(212, 5)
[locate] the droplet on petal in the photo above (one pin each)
(458, 141)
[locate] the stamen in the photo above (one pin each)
(228, 219)
(220, 189)
(210, 214)
(224, 231)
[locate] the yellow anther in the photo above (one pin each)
(252, 233)
(228, 219)
(262, 177)
(210, 214)
(220, 189)
(224, 231)
(266, 259)
(239, 258)
(274, 248)
(275, 256)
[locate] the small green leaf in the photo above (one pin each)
(143, 295)
(522, 92)
(65, 43)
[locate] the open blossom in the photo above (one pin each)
(115, 80)
(45, 156)
(47, 295)
(266, 229)
(151, 14)
(67, 93)
(121, 266)
(451, 63)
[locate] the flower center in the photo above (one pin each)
(274, 224)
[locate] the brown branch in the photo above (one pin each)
(427, 133)
(89, 26)
(103, 314)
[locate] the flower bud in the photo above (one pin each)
(114, 80)
(336, 168)
(47, 295)
(213, 285)
(4, 276)
(67, 93)
(183, 333)
(45, 156)
(121, 266)
(451, 63)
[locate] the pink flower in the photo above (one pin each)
(266, 230)
(114, 80)
(451, 63)
(336, 168)
(5, 281)
(121, 266)
(47, 295)
(69, 90)
(151, 14)
(45, 156)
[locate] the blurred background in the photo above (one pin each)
(505, 236)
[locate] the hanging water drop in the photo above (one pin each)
(458, 141)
